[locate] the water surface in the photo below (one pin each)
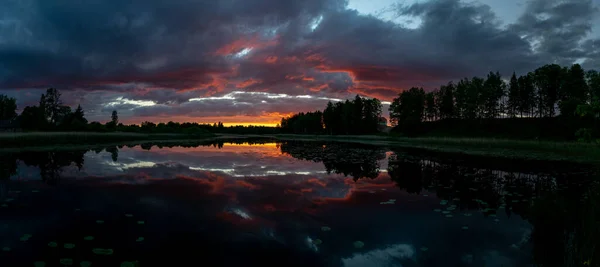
(286, 204)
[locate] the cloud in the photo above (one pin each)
(96, 51)
(559, 30)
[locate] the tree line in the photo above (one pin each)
(547, 92)
(358, 116)
(52, 115)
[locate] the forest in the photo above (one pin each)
(358, 116)
(549, 102)
(52, 115)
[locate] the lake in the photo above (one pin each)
(290, 204)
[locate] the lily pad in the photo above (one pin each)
(443, 202)
(25, 237)
(468, 214)
(35, 191)
(358, 244)
(39, 264)
(141, 222)
(102, 251)
(4, 205)
(127, 264)
(53, 244)
(437, 210)
(85, 264)
(9, 199)
(449, 216)
(496, 220)
(88, 238)
(318, 242)
(66, 261)
(465, 228)
(424, 249)
(69, 245)
(6, 249)
(445, 212)
(128, 215)
(139, 239)
(99, 221)
(325, 229)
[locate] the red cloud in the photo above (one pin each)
(248, 83)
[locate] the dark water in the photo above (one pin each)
(289, 204)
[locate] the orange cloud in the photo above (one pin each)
(247, 83)
(318, 87)
(271, 59)
(247, 185)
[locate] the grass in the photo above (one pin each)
(32, 139)
(505, 148)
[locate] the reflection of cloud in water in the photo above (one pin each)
(233, 160)
(311, 244)
(242, 214)
(388, 256)
(123, 166)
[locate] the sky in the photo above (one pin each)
(255, 61)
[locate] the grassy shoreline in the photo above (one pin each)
(504, 148)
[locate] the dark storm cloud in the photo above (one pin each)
(468, 39)
(166, 53)
(113, 41)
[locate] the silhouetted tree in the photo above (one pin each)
(32, 118)
(593, 82)
(8, 108)
(494, 91)
(548, 80)
(512, 107)
(430, 106)
(52, 105)
(114, 121)
(445, 101)
(407, 109)
(573, 91)
(114, 117)
(527, 97)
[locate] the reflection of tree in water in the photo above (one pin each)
(356, 161)
(114, 153)
(214, 143)
(51, 163)
(8, 166)
(557, 203)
